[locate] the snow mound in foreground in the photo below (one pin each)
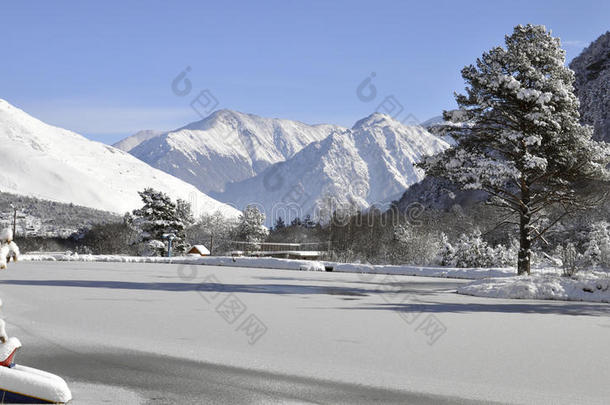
(592, 287)
(34, 383)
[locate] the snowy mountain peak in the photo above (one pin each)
(376, 119)
(225, 116)
(227, 146)
(372, 163)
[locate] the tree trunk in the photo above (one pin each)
(525, 245)
(525, 241)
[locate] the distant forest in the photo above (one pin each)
(54, 217)
(56, 213)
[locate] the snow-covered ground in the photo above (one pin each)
(546, 283)
(287, 264)
(96, 324)
(585, 286)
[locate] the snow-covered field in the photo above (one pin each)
(286, 264)
(545, 283)
(87, 321)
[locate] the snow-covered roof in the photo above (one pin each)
(200, 249)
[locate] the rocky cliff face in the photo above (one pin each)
(592, 84)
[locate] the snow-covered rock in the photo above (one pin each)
(55, 164)
(227, 146)
(372, 163)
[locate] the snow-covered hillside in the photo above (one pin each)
(56, 164)
(227, 146)
(372, 163)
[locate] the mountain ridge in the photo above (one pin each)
(372, 163)
(592, 84)
(227, 146)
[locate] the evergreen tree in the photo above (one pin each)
(279, 224)
(308, 222)
(251, 226)
(185, 212)
(519, 137)
(159, 217)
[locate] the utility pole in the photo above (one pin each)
(14, 220)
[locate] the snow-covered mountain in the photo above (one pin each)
(227, 146)
(592, 84)
(134, 140)
(434, 121)
(55, 164)
(372, 163)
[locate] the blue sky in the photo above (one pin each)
(105, 69)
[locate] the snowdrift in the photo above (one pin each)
(590, 286)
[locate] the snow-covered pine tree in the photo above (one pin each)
(251, 226)
(184, 211)
(159, 216)
(519, 137)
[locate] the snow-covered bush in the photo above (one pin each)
(152, 248)
(412, 245)
(446, 252)
(571, 260)
(8, 249)
(470, 250)
(507, 255)
(597, 245)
